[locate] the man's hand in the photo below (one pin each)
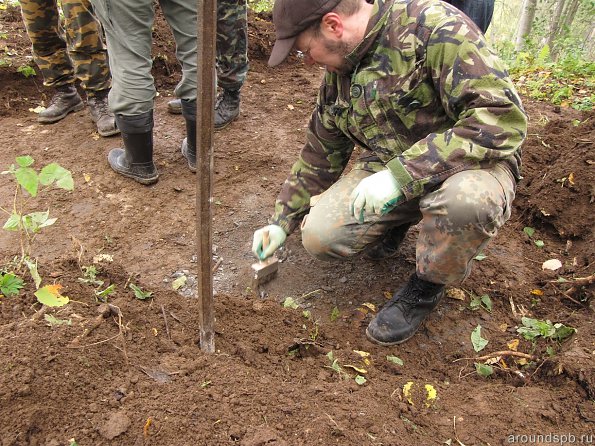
(263, 248)
(376, 194)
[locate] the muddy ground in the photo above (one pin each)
(138, 377)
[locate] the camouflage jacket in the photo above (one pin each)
(426, 98)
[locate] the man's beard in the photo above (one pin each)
(342, 49)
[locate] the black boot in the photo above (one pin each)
(189, 143)
(389, 245)
(400, 317)
(136, 159)
(227, 108)
(65, 100)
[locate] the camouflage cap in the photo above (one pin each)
(291, 17)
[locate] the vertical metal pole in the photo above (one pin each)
(205, 101)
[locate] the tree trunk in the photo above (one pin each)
(569, 14)
(555, 23)
(525, 23)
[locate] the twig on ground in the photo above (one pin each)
(454, 425)
(216, 266)
(500, 353)
(165, 320)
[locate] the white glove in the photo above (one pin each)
(376, 194)
(266, 241)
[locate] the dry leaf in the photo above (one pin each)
(552, 264)
(513, 345)
(455, 293)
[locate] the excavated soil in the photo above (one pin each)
(138, 377)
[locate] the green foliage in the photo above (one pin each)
(139, 293)
(484, 370)
(478, 342)
(261, 5)
(10, 284)
(533, 328)
(29, 183)
(26, 70)
(482, 301)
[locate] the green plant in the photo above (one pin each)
(139, 293)
(27, 70)
(260, 5)
(29, 184)
(534, 328)
(482, 301)
(10, 284)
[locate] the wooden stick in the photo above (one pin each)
(499, 353)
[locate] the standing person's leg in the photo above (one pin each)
(232, 58)
(128, 25)
(459, 219)
(42, 23)
(89, 55)
(181, 17)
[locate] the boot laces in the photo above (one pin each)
(100, 105)
(408, 296)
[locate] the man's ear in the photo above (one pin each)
(332, 25)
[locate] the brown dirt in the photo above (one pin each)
(141, 379)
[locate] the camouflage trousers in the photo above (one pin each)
(128, 26)
(456, 222)
(232, 43)
(68, 51)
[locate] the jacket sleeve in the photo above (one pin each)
(478, 95)
(321, 161)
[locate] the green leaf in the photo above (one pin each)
(482, 301)
(562, 332)
(335, 314)
(179, 282)
(533, 328)
(484, 370)
(35, 221)
(10, 284)
(54, 172)
(539, 243)
(24, 161)
(529, 231)
(52, 321)
(28, 179)
(289, 302)
(139, 293)
(394, 359)
(104, 293)
(49, 295)
(13, 223)
(479, 257)
(487, 302)
(360, 380)
(32, 265)
(478, 342)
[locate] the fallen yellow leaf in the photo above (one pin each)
(513, 345)
(370, 306)
(537, 292)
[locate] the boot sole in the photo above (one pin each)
(145, 181)
(76, 108)
(221, 127)
(109, 133)
(388, 344)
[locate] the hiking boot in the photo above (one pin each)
(135, 160)
(401, 316)
(175, 106)
(227, 108)
(188, 109)
(65, 100)
(100, 114)
(389, 245)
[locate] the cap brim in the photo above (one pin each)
(281, 50)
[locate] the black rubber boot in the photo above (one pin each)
(189, 143)
(136, 159)
(227, 108)
(389, 245)
(400, 317)
(65, 100)
(175, 106)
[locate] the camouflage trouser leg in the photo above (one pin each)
(128, 28)
(79, 53)
(232, 43)
(85, 46)
(50, 53)
(458, 219)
